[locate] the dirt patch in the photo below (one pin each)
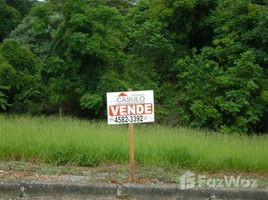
(106, 173)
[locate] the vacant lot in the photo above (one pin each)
(84, 143)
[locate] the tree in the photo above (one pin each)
(218, 97)
(88, 42)
(9, 19)
(7, 77)
(37, 29)
(122, 5)
(22, 6)
(223, 86)
(20, 57)
(163, 30)
(249, 30)
(24, 94)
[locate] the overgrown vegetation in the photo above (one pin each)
(206, 60)
(66, 140)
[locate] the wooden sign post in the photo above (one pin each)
(129, 108)
(131, 152)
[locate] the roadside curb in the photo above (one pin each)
(137, 191)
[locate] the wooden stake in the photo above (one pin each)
(60, 111)
(131, 152)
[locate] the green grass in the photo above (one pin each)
(78, 142)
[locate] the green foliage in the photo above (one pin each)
(248, 30)
(3, 99)
(9, 19)
(37, 29)
(18, 73)
(7, 73)
(30, 95)
(7, 77)
(161, 32)
(234, 92)
(168, 105)
(264, 96)
(53, 74)
(151, 41)
(23, 6)
(90, 101)
(93, 41)
(174, 24)
(139, 73)
(206, 60)
(20, 57)
(122, 5)
(111, 80)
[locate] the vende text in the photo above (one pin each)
(135, 109)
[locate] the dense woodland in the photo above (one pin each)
(206, 60)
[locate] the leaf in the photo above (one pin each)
(90, 101)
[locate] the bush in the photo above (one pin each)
(221, 97)
(20, 57)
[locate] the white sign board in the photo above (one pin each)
(130, 107)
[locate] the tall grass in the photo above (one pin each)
(87, 143)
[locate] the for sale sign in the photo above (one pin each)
(130, 107)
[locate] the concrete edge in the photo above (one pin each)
(27, 188)
(205, 193)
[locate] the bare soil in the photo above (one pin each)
(106, 173)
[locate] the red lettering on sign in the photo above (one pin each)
(135, 109)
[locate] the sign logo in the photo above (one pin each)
(122, 94)
(130, 107)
